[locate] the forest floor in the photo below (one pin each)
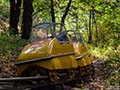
(102, 73)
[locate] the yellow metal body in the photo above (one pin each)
(82, 54)
(62, 55)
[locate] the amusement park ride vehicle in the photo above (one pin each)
(82, 55)
(53, 55)
(50, 53)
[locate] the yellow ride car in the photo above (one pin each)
(50, 52)
(82, 54)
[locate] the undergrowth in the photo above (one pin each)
(110, 55)
(113, 64)
(10, 48)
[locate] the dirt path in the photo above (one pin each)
(101, 74)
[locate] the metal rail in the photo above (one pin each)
(23, 78)
(8, 85)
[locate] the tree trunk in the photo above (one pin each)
(27, 19)
(66, 12)
(52, 11)
(89, 29)
(14, 15)
(96, 29)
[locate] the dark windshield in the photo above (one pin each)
(76, 36)
(46, 30)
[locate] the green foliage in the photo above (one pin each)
(42, 9)
(106, 13)
(10, 46)
(4, 10)
(111, 57)
(114, 77)
(102, 51)
(5, 2)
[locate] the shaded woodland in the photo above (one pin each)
(97, 20)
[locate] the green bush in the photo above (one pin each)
(4, 8)
(10, 46)
(111, 56)
(102, 51)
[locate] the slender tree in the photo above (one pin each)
(27, 19)
(14, 15)
(52, 11)
(66, 11)
(89, 29)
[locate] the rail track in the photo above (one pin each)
(38, 83)
(35, 83)
(29, 83)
